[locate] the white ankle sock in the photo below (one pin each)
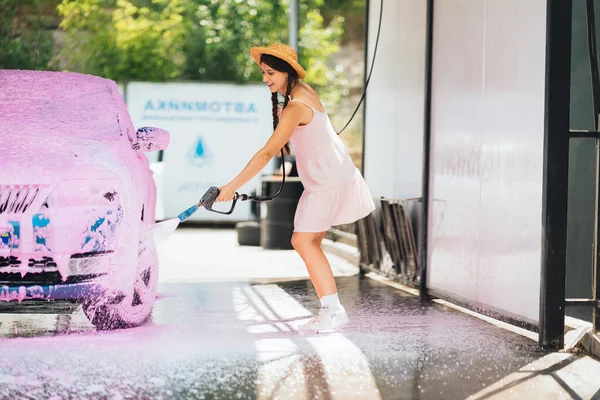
(332, 301)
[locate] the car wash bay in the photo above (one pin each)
(224, 327)
(491, 103)
(225, 323)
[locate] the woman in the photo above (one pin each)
(335, 193)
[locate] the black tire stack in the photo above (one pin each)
(248, 233)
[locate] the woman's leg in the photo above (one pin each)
(332, 314)
(308, 246)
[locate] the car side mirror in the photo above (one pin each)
(151, 139)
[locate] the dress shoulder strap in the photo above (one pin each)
(303, 102)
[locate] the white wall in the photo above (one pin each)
(487, 152)
(395, 101)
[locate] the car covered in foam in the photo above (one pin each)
(77, 199)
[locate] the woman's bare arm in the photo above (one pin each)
(290, 119)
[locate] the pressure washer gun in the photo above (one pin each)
(212, 193)
(208, 200)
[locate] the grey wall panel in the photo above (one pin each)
(395, 101)
(487, 152)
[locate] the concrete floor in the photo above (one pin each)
(225, 327)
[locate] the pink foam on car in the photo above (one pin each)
(73, 178)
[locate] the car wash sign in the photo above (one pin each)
(215, 130)
(208, 110)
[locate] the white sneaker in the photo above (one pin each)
(326, 320)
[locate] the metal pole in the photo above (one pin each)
(556, 174)
(366, 72)
(595, 263)
(593, 54)
(423, 248)
(293, 24)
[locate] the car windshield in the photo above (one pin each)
(62, 108)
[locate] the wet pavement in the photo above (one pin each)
(225, 327)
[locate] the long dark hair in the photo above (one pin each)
(282, 66)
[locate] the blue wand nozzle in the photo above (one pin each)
(187, 213)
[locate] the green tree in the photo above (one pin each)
(26, 40)
(222, 32)
(198, 40)
(124, 40)
(202, 40)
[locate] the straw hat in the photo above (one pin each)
(279, 50)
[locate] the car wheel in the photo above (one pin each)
(134, 308)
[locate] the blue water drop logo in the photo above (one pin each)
(200, 154)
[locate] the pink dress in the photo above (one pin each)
(335, 192)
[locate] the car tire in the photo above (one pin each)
(248, 233)
(133, 309)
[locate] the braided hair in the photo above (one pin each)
(279, 65)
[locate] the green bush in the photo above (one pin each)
(26, 40)
(199, 40)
